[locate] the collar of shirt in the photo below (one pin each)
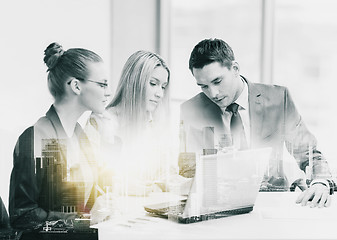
(243, 98)
(244, 110)
(243, 103)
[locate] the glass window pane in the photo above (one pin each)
(305, 59)
(235, 21)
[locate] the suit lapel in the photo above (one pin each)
(88, 153)
(213, 114)
(256, 113)
(58, 128)
(56, 123)
(258, 130)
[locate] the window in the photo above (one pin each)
(305, 56)
(235, 21)
(304, 52)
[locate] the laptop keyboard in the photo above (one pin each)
(175, 209)
(210, 216)
(178, 209)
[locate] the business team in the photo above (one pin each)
(264, 116)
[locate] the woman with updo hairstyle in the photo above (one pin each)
(54, 168)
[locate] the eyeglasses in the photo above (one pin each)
(101, 84)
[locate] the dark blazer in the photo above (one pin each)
(31, 200)
(274, 120)
(4, 221)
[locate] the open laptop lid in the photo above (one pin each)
(226, 181)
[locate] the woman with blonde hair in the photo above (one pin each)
(142, 93)
(138, 115)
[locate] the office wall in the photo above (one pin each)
(133, 26)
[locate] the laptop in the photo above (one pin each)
(225, 184)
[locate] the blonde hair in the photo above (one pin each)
(130, 94)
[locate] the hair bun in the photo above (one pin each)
(52, 55)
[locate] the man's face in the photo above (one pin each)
(220, 84)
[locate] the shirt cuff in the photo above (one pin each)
(328, 183)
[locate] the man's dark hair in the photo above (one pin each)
(211, 50)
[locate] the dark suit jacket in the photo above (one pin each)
(274, 121)
(4, 221)
(30, 199)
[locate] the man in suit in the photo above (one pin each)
(267, 117)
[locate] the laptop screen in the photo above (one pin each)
(226, 181)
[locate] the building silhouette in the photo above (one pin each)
(58, 191)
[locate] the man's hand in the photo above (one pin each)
(105, 206)
(317, 196)
(186, 164)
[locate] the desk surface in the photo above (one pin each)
(275, 216)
